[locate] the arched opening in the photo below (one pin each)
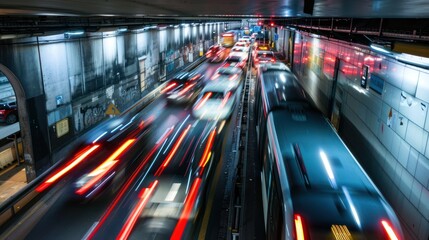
(16, 162)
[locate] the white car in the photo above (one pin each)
(216, 102)
(229, 76)
(245, 40)
(240, 51)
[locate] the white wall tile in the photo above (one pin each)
(398, 174)
(424, 229)
(400, 125)
(372, 101)
(423, 87)
(406, 183)
(372, 122)
(357, 107)
(427, 120)
(385, 135)
(422, 170)
(424, 203)
(391, 95)
(416, 137)
(412, 161)
(404, 152)
(410, 79)
(416, 191)
(395, 74)
(411, 214)
(413, 109)
(395, 146)
(390, 166)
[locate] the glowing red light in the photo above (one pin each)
(99, 172)
(169, 87)
(173, 151)
(132, 219)
(203, 100)
(209, 145)
(187, 210)
(73, 163)
(389, 230)
(299, 227)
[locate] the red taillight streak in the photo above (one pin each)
(299, 228)
(225, 100)
(187, 209)
(172, 152)
(389, 230)
(215, 76)
(273, 60)
(208, 148)
(233, 77)
(169, 87)
(104, 167)
(126, 186)
(73, 163)
(148, 121)
(186, 89)
(203, 100)
(132, 219)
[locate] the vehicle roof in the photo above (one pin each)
(184, 76)
(229, 70)
(218, 86)
(279, 87)
(328, 185)
(302, 130)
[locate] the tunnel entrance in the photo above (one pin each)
(16, 165)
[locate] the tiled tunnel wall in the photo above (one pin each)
(385, 124)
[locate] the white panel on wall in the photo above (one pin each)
(422, 170)
(412, 161)
(385, 134)
(391, 95)
(416, 137)
(424, 203)
(400, 125)
(395, 146)
(416, 191)
(423, 87)
(413, 109)
(358, 108)
(424, 229)
(427, 120)
(406, 183)
(411, 77)
(395, 74)
(404, 152)
(390, 166)
(372, 121)
(372, 101)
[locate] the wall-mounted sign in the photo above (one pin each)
(376, 84)
(364, 77)
(62, 127)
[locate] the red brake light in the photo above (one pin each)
(389, 230)
(273, 60)
(299, 227)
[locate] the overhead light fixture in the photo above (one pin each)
(380, 49)
(122, 29)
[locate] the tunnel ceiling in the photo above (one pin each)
(219, 8)
(342, 18)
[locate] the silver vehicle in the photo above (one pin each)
(216, 102)
(312, 186)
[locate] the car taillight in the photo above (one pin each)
(273, 60)
(299, 227)
(389, 230)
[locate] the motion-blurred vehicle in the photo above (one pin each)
(184, 88)
(216, 53)
(244, 40)
(8, 111)
(240, 51)
(228, 39)
(235, 61)
(241, 44)
(263, 57)
(216, 102)
(228, 75)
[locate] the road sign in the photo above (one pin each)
(112, 110)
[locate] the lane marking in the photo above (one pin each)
(173, 192)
